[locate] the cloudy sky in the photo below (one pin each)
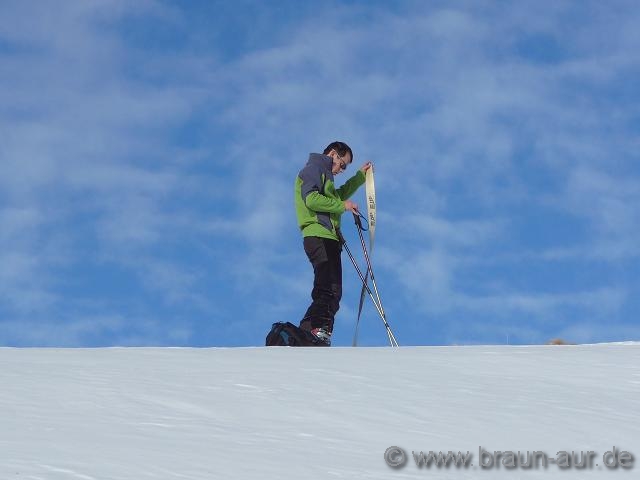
(148, 152)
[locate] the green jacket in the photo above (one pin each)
(319, 204)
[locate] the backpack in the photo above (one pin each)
(288, 334)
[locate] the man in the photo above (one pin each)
(319, 206)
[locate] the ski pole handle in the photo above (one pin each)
(356, 218)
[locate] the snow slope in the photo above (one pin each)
(277, 413)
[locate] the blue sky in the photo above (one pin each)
(148, 152)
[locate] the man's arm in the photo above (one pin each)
(312, 182)
(351, 185)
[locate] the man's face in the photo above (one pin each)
(340, 164)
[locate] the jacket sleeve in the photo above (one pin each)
(351, 185)
(319, 203)
(311, 192)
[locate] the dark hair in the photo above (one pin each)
(340, 147)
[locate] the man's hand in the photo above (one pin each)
(350, 206)
(366, 167)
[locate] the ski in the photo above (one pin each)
(370, 193)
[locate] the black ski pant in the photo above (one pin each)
(324, 255)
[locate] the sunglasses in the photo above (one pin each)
(343, 165)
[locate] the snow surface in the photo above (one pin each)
(278, 413)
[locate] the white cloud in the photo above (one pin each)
(468, 124)
(611, 203)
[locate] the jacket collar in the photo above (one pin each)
(320, 159)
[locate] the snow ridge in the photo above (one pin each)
(272, 413)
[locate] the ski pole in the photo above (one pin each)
(363, 290)
(392, 339)
(370, 272)
(366, 257)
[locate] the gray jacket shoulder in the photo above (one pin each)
(311, 174)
